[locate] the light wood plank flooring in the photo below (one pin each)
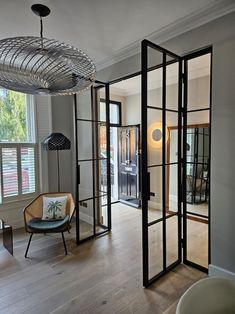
(101, 276)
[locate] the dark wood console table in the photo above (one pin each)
(7, 236)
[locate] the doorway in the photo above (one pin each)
(124, 150)
(129, 171)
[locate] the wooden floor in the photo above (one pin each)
(100, 276)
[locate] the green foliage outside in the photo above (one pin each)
(12, 116)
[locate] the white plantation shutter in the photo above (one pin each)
(9, 171)
(27, 155)
(18, 171)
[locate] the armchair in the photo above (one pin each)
(33, 218)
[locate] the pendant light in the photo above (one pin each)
(41, 66)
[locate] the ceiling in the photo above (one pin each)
(197, 67)
(106, 28)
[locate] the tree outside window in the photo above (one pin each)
(13, 116)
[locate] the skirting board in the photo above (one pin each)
(154, 205)
(86, 218)
(215, 271)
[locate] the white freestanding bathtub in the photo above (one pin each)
(213, 295)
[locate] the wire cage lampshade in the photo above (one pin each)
(37, 65)
(56, 141)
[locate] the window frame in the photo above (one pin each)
(31, 125)
(30, 120)
(119, 104)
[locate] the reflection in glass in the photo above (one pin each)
(155, 203)
(171, 240)
(155, 249)
(197, 241)
(198, 95)
(86, 219)
(172, 188)
(197, 165)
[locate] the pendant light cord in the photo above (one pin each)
(41, 31)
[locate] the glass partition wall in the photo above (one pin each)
(93, 211)
(175, 160)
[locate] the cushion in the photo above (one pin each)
(39, 225)
(54, 207)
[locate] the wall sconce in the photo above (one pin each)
(155, 135)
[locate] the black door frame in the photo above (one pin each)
(145, 190)
(186, 58)
(115, 125)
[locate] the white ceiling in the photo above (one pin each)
(197, 67)
(105, 28)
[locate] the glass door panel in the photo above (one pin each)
(160, 106)
(196, 203)
(93, 165)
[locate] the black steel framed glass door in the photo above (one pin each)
(161, 215)
(92, 141)
(196, 158)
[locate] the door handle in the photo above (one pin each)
(148, 185)
(78, 174)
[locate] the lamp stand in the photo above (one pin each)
(58, 170)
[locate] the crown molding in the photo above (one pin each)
(198, 18)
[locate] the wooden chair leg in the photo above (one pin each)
(65, 248)
(30, 238)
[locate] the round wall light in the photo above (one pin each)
(155, 135)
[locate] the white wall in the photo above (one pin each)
(43, 129)
(62, 122)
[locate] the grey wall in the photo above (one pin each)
(223, 150)
(219, 33)
(62, 121)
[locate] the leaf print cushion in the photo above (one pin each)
(54, 207)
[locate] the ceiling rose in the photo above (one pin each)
(41, 66)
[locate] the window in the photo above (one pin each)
(115, 122)
(17, 146)
(114, 112)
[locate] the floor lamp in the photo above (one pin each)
(57, 141)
